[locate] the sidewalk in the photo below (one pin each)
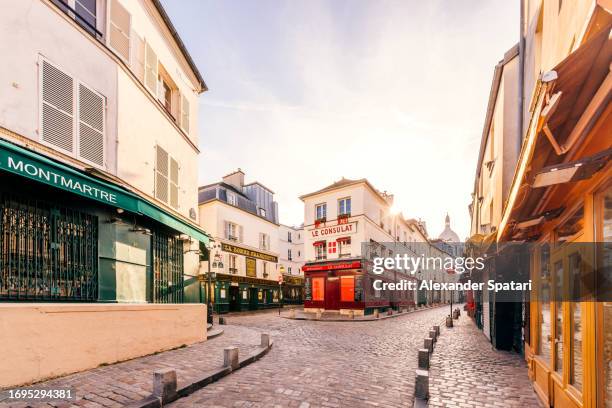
(467, 372)
(328, 316)
(122, 383)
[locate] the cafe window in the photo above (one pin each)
(344, 247)
(347, 288)
(575, 280)
(320, 250)
(318, 285)
(320, 211)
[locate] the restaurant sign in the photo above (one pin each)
(334, 230)
(332, 266)
(248, 252)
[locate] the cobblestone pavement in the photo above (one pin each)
(467, 372)
(118, 384)
(325, 364)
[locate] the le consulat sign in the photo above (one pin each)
(334, 230)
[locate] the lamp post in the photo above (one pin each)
(210, 246)
(281, 270)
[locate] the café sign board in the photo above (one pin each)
(334, 230)
(234, 249)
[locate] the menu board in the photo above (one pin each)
(358, 288)
(308, 289)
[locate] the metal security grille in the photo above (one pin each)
(167, 268)
(47, 253)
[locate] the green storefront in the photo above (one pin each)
(66, 235)
(234, 293)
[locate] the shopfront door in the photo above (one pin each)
(332, 293)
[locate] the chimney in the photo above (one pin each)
(235, 179)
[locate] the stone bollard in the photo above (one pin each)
(428, 344)
(449, 321)
(437, 330)
(164, 384)
(424, 359)
(318, 315)
(376, 314)
(390, 312)
(421, 386)
(230, 357)
(432, 335)
(351, 314)
(292, 313)
(265, 340)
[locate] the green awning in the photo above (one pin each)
(26, 163)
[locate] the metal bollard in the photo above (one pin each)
(424, 359)
(421, 386)
(428, 344)
(230, 357)
(164, 384)
(449, 321)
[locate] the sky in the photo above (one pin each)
(305, 92)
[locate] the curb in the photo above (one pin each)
(363, 320)
(211, 334)
(199, 383)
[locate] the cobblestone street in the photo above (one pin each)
(466, 372)
(326, 364)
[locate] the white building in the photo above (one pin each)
(243, 220)
(99, 144)
(291, 257)
(341, 222)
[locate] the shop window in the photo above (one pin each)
(347, 288)
(575, 268)
(318, 287)
(544, 348)
(559, 336)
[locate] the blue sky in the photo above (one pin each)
(304, 92)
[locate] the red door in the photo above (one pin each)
(332, 293)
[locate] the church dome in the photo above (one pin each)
(448, 235)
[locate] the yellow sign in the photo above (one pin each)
(251, 267)
(248, 252)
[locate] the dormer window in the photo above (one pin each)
(231, 198)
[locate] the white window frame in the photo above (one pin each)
(232, 199)
(323, 206)
(342, 202)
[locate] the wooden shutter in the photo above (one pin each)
(161, 175)
(91, 125)
(151, 69)
(138, 62)
(240, 234)
(185, 114)
(226, 229)
(174, 188)
(57, 107)
(120, 22)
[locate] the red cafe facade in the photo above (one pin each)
(338, 219)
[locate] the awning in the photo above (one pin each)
(318, 243)
(26, 163)
(344, 239)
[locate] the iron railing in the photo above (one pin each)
(80, 19)
(47, 252)
(168, 284)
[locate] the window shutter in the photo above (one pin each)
(226, 229)
(268, 242)
(91, 125)
(120, 30)
(57, 108)
(174, 187)
(161, 175)
(261, 241)
(138, 62)
(151, 69)
(240, 234)
(185, 114)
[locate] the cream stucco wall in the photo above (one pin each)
(39, 341)
(296, 246)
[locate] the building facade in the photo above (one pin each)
(346, 224)
(243, 220)
(98, 154)
(291, 258)
(555, 199)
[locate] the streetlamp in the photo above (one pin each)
(210, 246)
(281, 270)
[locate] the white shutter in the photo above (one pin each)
(240, 234)
(57, 107)
(226, 229)
(185, 114)
(120, 22)
(161, 175)
(151, 69)
(91, 125)
(138, 61)
(261, 241)
(174, 188)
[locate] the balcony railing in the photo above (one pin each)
(80, 20)
(233, 270)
